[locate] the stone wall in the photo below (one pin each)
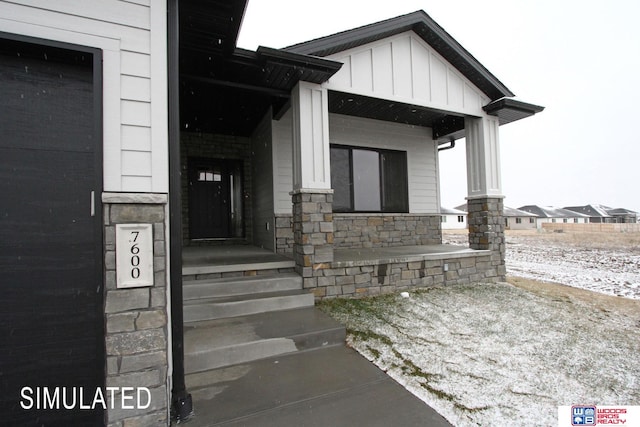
(367, 278)
(369, 231)
(384, 230)
(284, 233)
(136, 319)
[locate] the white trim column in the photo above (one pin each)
(311, 167)
(483, 157)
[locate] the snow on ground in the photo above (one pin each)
(608, 264)
(501, 355)
(496, 354)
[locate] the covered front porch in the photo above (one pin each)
(352, 272)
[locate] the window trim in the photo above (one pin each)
(382, 187)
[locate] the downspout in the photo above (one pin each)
(181, 403)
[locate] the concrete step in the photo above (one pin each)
(196, 310)
(231, 286)
(230, 341)
(203, 269)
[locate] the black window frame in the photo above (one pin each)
(383, 183)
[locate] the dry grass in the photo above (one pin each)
(629, 241)
(586, 240)
(626, 307)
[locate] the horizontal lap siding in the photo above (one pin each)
(134, 69)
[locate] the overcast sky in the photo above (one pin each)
(579, 59)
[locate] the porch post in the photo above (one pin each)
(485, 199)
(312, 194)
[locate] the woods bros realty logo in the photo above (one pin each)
(592, 415)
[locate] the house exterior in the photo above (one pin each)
(624, 216)
(549, 214)
(516, 219)
(453, 219)
(597, 214)
(149, 131)
(600, 214)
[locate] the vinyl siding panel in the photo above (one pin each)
(132, 37)
(283, 164)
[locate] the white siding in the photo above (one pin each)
(132, 37)
(406, 69)
(359, 132)
(282, 163)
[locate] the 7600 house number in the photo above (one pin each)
(134, 255)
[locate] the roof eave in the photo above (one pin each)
(509, 110)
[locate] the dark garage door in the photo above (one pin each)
(51, 321)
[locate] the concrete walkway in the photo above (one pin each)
(333, 386)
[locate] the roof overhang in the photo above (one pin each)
(509, 110)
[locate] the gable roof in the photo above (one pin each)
(595, 211)
(447, 211)
(511, 212)
(551, 212)
(425, 27)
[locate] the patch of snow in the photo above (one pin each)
(493, 354)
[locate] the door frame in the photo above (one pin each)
(228, 166)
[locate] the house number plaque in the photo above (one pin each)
(134, 255)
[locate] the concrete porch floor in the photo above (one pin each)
(225, 258)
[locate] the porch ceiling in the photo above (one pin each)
(441, 122)
(228, 90)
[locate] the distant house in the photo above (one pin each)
(453, 219)
(516, 219)
(597, 213)
(550, 214)
(624, 216)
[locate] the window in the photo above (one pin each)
(531, 220)
(575, 220)
(460, 218)
(518, 220)
(369, 180)
(208, 175)
(443, 219)
(565, 220)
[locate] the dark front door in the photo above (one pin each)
(51, 315)
(211, 198)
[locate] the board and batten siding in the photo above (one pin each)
(132, 35)
(405, 68)
(361, 132)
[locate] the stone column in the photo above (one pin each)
(485, 199)
(136, 319)
(486, 232)
(313, 235)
